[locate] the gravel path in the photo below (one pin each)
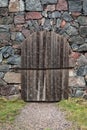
(41, 116)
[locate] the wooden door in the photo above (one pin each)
(45, 59)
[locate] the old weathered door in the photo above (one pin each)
(45, 58)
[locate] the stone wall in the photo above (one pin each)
(20, 18)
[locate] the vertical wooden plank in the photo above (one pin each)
(65, 83)
(65, 72)
(48, 65)
(24, 54)
(34, 92)
(64, 54)
(34, 50)
(48, 90)
(52, 84)
(52, 50)
(67, 53)
(41, 78)
(44, 86)
(31, 52)
(66, 90)
(45, 49)
(23, 85)
(37, 53)
(62, 64)
(30, 87)
(48, 47)
(55, 66)
(34, 58)
(24, 72)
(58, 96)
(37, 75)
(28, 52)
(41, 65)
(58, 51)
(55, 51)
(41, 51)
(61, 52)
(30, 73)
(39, 86)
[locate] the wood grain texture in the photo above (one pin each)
(45, 59)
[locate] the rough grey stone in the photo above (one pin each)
(74, 47)
(4, 36)
(71, 31)
(22, 7)
(1, 75)
(83, 31)
(83, 48)
(76, 40)
(4, 68)
(85, 94)
(77, 81)
(16, 96)
(75, 24)
(85, 6)
(16, 5)
(55, 14)
(75, 5)
(3, 11)
(72, 73)
(6, 20)
(86, 40)
(1, 57)
(79, 93)
(82, 20)
(2, 82)
(33, 25)
(82, 60)
(44, 13)
(3, 3)
(58, 23)
(33, 5)
(14, 60)
(67, 17)
(7, 90)
(82, 71)
(63, 31)
(4, 32)
(47, 24)
(30, 23)
(4, 28)
(48, 1)
(3, 43)
(66, 35)
(7, 51)
(12, 77)
(19, 37)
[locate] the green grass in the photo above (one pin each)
(76, 111)
(9, 109)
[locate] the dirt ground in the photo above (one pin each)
(40, 116)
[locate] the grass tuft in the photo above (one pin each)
(9, 109)
(76, 111)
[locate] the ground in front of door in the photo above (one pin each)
(41, 116)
